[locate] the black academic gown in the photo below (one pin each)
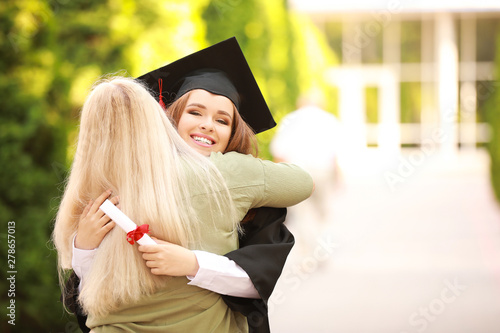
(264, 247)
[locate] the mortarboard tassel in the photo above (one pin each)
(160, 84)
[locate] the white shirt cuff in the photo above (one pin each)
(82, 262)
(223, 276)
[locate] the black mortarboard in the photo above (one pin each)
(220, 69)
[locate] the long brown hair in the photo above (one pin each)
(242, 140)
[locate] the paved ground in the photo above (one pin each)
(411, 244)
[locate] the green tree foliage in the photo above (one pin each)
(31, 150)
(52, 52)
(492, 111)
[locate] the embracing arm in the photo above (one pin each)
(222, 275)
(285, 185)
(257, 183)
(205, 270)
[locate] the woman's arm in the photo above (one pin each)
(255, 183)
(223, 276)
(205, 270)
(81, 263)
(285, 185)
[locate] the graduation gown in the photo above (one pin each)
(264, 247)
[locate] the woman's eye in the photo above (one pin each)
(194, 112)
(222, 121)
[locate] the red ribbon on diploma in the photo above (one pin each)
(137, 233)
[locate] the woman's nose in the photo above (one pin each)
(207, 125)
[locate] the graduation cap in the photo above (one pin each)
(220, 69)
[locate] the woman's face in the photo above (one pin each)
(206, 122)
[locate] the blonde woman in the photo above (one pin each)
(245, 278)
(128, 145)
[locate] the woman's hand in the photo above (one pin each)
(170, 259)
(94, 225)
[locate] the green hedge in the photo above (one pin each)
(492, 111)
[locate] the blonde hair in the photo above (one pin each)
(126, 143)
(242, 140)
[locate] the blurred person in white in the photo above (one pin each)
(309, 137)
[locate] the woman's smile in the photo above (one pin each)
(203, 140)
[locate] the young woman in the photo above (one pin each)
(127, 144)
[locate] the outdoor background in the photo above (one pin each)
(52, 51)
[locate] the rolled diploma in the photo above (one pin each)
(123, 221)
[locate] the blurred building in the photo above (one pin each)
(412, 73)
